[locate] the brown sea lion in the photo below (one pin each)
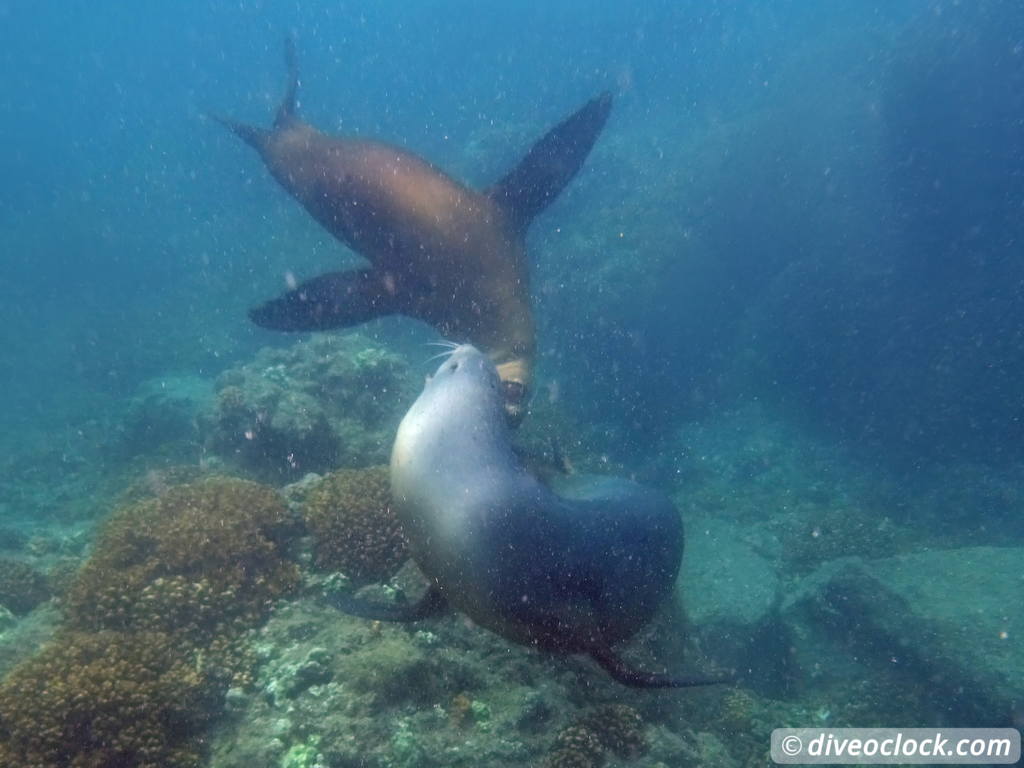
(439, 251)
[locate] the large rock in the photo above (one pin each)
(951, 618)
(333, 400)
(162, 417)
(730, 594)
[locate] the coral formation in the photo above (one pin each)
(22, 587)
(576, 747)
(353, 526)
(460, 711)
(616, 728)
(736, 709)
(62, 575)
(329, 401)
(195, 561)
(619, 728)
(465, 711)
(153, 632)
(104, 699)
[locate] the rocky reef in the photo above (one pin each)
(343, 692)
(330, 401)
(162, 419)
(201, 630)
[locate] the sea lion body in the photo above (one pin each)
(439, 251)
(446, 254)
(575, 570)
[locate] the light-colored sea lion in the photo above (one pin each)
(439, 251)
(572, 569)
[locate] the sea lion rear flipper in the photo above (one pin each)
(431, 603)
(333, 300)
(286, 111)
(252, 135)
(257, 137)
(626, 675)
(552, 162)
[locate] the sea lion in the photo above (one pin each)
(573, 569)
(439, 251)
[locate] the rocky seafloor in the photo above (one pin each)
(838, 596)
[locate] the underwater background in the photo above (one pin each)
(786, 288)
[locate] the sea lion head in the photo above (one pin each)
(463, 397)
(470, 374)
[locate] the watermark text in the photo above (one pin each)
(954, 746)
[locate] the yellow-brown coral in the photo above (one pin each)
(152, 634)
(460, 711)
(22, 587)
(104, 699)
(355, 531)
(198, 560)
(619, 727)
(575, 747)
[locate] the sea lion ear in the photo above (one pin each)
(333, 300)
(551, 163)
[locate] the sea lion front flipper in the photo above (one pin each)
(333, 300)
(431, 603)
(634, 678)
(551, 163)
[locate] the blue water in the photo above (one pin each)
(832, 191)
(814, 208)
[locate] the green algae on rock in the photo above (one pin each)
(329, 401)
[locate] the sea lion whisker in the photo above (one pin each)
(446, 353)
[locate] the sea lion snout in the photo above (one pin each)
(468, 363)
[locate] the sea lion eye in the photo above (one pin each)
(455, 366)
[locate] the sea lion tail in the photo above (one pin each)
(634, 678)
(552, 162)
